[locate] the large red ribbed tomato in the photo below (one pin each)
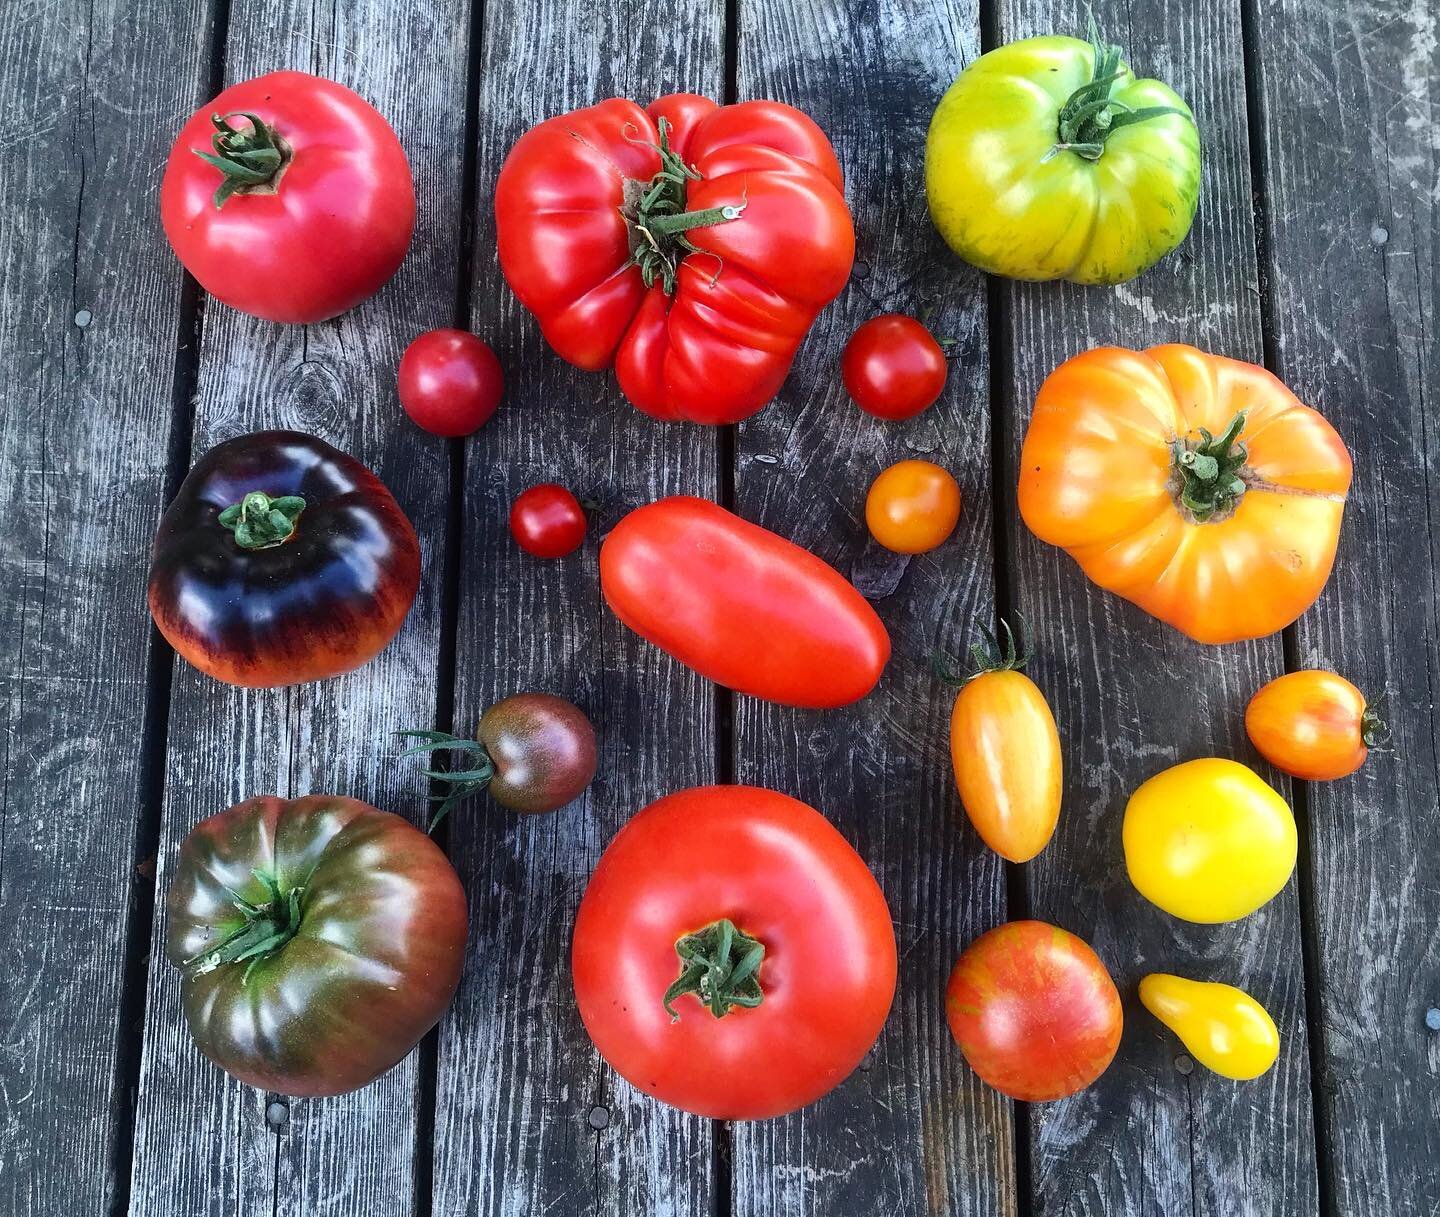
(733, 956)
(690, 245)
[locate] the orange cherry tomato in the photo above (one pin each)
(1006, 753)
(1313, 724)
(912, 507)
(1196, 486)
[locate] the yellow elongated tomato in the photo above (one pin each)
(1313, 724)
(912, 507)
(1222, 1027)
(1006, 753)
(1208, 841)
(1198, 487)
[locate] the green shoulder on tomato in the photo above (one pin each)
(1048, 159)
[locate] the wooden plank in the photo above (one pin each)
(528, 1119)
(1350, 159)
(913, 1130)
(1133, 696)
(90, 307)
(203, 1142)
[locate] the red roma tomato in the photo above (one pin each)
(548, 521)
(912, 507)
(689, 245)
(313, 210)
(1313, 724)
(742, 606)
(893, 367)
(733, 956)
(1034, 1011)
(450, 382)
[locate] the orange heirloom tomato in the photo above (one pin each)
(1198, 487)
(912, 507)
(1006, 753)
(1313, 724)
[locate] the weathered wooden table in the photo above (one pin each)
(1314, 251)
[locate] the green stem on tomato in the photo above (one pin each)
(987, 653)
(252, 158)
(459, 783)
(260, 522)
(720, 966)
(1206, 473)
(1090, 115)
(267, 927)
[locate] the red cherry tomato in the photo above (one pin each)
(893, 367)
(450, 382)
(1034, 1011)
(548, 521)
(312, 210)
(733, 956)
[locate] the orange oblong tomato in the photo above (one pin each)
(1313, 724)
(1196, 486)
(1006, 752)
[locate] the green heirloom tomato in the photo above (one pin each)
(319, 937)
(1047, 159)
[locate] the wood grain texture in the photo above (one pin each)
(912, 1131)
(528, 1118)
(90, 99)
(1349, 140)
(203, 1144)
(1133, 696)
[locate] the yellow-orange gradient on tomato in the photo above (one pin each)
(1006, 753)
(1196, 486)
(1313, 724)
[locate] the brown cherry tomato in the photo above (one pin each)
(1313, 724)
(912, 507)
(548, 521)
(534, 751)
(450, 382)
(1034, 1011)
(892, 367)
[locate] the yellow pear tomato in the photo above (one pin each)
(1222, 1027)
(1208, 841)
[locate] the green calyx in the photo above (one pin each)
(1207, 479)
(720, 965)
(260, 522)
(458, 784)
(1374, 730)
(660, 220)
(268, 926)
(252, 158)
(1090, 115)
(987, 653)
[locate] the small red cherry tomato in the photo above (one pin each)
(893, 367)
(450, 382)
(912, 507)
(1034, 1011)
(548, 521)
(1313, 724)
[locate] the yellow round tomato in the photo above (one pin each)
(1208, 841)
(1222, 1027)
(1313, 724)
(1048, 159)
(1198, 487)
(912, 507)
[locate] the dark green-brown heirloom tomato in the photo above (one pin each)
(534, 751)
(319, 938)
(1048, 159)
(281, 560)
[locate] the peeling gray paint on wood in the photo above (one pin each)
(1351, 151)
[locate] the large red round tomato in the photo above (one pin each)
(688, 244)
(289, 197)
(1034, 1011)
(733, 956)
